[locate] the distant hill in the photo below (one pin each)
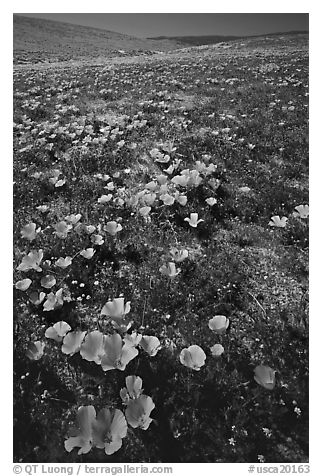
(38, 40)
(213, 39)
(196, 40)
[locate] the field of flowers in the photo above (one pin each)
(161, 259)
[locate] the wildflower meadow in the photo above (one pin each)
(160, 269)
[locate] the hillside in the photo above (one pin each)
(196, 40)
(252, 45)
(38, 40)
(213, 39)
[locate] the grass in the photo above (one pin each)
(87, 122)
(40, 40)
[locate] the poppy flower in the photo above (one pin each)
(133, 388)
(162, 179)
(48, 281)
(108, 430)
(218, 324)
(151, 186)
(84, 433)
(132, 340)
(97, 240)
(73, 219)
(72, 342)
(58, 331)
(180, 180)
(54, 180)
(217, 350)
(144, 211)
(265, 376)
(203, 168)
(244, 189)
(105, 198)
(23, 285)
(116, 310)
(36, 175)
(302, 211)
(119, 201)
(64, 262)
(167, 199)
(163, 190)
(179, 255)
(29, 231)
(36, 298)
(200, 166)
(155, 153)
(140, 195)
(169, 170)
(150, 344)
(109, 186)
(31, 261)
(35, 350)
(43, 208)
(112, 227)
(54, 300)
(169, 270)
(211, 201)
(193, 220)
(55, 174)
(60, 183)
(149, 198)
(163, 159)
(193, 357)
(62, 229)
(92, 348)
(168, 147)
(132, 200)
(138, 412)
(214, 184)
(90, 229)
(181, 199)
(278, 222)
(88, 253)
(194, 178)
(117, 355)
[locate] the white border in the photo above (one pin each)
(60, 6)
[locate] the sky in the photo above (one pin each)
(185, 24)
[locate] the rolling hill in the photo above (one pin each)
(200, 40)
(37, 40)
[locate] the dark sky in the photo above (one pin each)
(180, 24)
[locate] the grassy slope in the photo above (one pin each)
(48, 40)
(196, 40)
(213, 39)
(237, 266)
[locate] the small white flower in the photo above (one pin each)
(297, 410)
(267, 432)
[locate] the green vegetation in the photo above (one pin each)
(179, 184)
